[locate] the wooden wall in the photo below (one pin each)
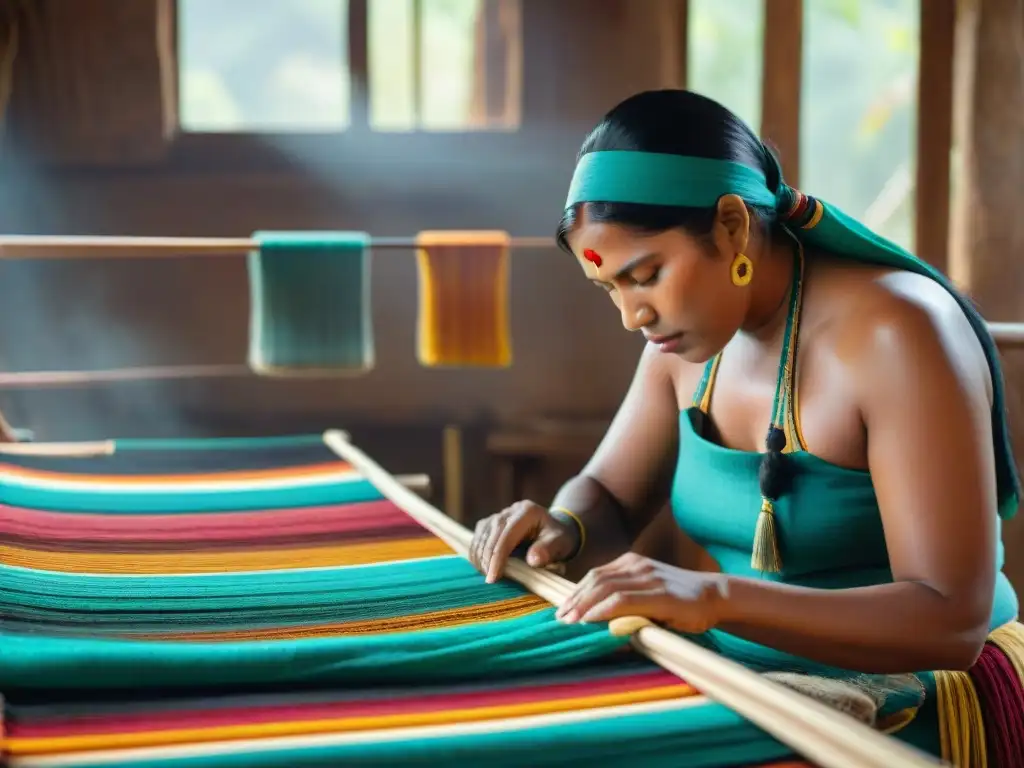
(135, 313)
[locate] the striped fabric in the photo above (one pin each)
(258, 603)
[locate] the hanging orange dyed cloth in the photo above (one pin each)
(464, 301)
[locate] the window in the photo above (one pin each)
(725, 52)
(270, 65)
(443, 64)
(285, 65)
(858, 119)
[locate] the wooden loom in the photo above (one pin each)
(820, 734)
(830, 739)
(817, 732)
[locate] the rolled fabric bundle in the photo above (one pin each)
(464, 302)
(310, 304)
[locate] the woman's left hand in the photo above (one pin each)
(632, 585)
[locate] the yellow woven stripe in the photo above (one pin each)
(224, 562)
(961, 725)
(452, 617)
(28, 746)
(1010, 640)
(897, 721)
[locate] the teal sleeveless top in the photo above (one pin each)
(827, 525)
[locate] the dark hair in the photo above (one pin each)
(672, 122)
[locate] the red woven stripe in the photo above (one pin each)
(1002, 703)
(136, 722)
(223, 526)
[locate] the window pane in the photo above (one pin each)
(859, 110)
(464, 74)
(449, 56)
(263, 65)
(391, 63)
(724, 54)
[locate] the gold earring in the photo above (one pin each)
(742, 270)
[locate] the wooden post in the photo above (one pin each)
(497, 72)
(358, 64)
(782, 79)
(453, 479)
(673, 29)
(934, 132)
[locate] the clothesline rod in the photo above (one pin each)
(47, 379)
(104, 247)
(1007, 336)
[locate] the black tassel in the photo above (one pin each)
(774, 481)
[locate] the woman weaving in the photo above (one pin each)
(823, 412)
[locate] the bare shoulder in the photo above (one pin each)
(681, 376)
(670, 374)
(890, 325)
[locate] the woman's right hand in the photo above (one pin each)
(496, 537)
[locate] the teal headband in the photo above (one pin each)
(661, 179)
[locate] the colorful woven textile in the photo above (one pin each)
(258, 603)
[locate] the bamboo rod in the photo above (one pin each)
(1007, 336)
(828, 738)
(105, 247)
(74, 450)
(46, 379)
(418, 484)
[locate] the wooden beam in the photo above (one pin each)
(934, 132)
(782, 80)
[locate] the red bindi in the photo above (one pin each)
(592, 256)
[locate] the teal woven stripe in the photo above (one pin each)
(531, 643)
(170, 500)
(702, 736)
(216, 443)
(397, 576)
(332, 595)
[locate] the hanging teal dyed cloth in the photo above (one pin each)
(310, 309)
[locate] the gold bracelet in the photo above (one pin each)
(579, 524)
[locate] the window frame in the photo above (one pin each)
(357, 145)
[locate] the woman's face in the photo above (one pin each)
(674, 288)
